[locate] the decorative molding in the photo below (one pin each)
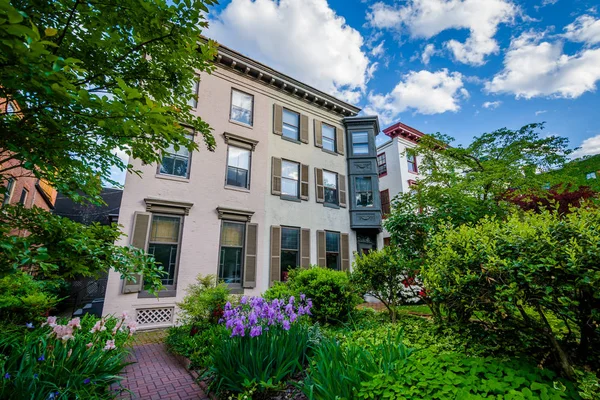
(167, 206)
(362, 165)
(235, 214)
(402, 130)
(365, 216)
(241, 141)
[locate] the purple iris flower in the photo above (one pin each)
(42, 358)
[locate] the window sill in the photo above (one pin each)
(237, 189)
(144, 294)
(414, 173)
(333, 153)
(330, 205)
(291, 140)
(240, 124)
(235, 289)
(289, 198)
(382, 175)
(172, 178)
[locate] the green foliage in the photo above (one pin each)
(386, 275)
(454, 376)
(280, 290)
(23, 299)
(333, 296)
(195, 342)
(262, 363)
(336, 371)
(519, 273)
(204, 301)
(35, 364)
(92, 77)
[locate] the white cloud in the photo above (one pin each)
(378, 50)
(540, 112)
(428, 52)
(534, 67)
(589, 146)
(549, 2)
(491, 104)
(303, 38)
(584, 29)
(424, 92)
(427, 18)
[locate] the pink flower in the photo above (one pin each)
(51, 321)
(75, 323)
(124, 315)
(63, 332)
(99, 327)
(132, 327)
(89, 345)
(110, 345)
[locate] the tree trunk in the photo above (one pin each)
(565, 364)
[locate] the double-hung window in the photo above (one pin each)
(330, 186)
(242, 107)
(364, 191)
(360, 143)
(164, 242)
(328, 132)
(290, 179)
(332, 250)
(8, 191)
(290, 250)
(193, 101)
(291, 125)
(24, 195)
(232, 252)
(412, 161)
(238, 167)
(176, 162)
(381, 164)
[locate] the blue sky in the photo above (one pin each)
(460, 67)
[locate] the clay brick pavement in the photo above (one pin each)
(157, 374)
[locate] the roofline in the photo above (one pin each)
(253, 69)
(403, 130)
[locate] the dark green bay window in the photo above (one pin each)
(364, 191)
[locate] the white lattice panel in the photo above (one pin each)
(151, 316)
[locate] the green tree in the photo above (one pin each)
(387, 276)
(87, 79)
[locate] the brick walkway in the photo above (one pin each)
(157, 374)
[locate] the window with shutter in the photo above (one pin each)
(345, 252)
(290, 250)
(332, 250)
(328, 137)
(304, 181)
(276, 176)
(305, 248)
(275, 254)
(277, 119)
(139, 239)
(342, 184)
(385, 202)
(232, 251)
(250, 262)
(321, 246)
(304, 128)
(318, 134)
(319, 187)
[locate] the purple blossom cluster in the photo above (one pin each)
(255, 315)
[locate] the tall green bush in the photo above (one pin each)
(204, 301)
(333, 296)
(523, 273)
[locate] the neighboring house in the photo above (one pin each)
(398, 167)
(87, 293)
(20, 185)
(87, 213)
(292, 182)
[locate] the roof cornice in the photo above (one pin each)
(237, 62)
(402, 130)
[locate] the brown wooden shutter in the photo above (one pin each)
(342, 190)
(320, 190)
(339, 139)
(250, 259)
(139, 239)
(275, 254)
(276, 176)
(318, 133)
(304, 128)
(345, 252)
(321, 255)
(305, 248)
(277, 119)
(385, 202)
(304, 181)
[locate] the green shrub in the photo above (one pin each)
(244, 364)
(204, 301)
(24, 299)
(333, 296)
(454, 376)
(280, 290)
(336, 371)
(195, 342)
(36, 364)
